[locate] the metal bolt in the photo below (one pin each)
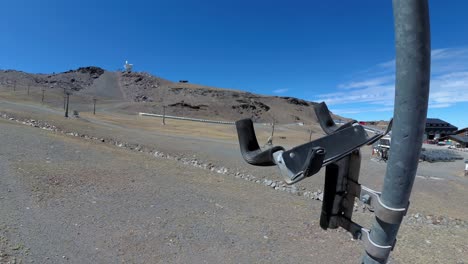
(365, 198)
(357, 235)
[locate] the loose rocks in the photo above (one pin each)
(276, 185)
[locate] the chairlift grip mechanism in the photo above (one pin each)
(336, 148)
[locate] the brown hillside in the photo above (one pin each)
(144, 92)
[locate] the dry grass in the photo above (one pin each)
(283, 135)
(286, 135)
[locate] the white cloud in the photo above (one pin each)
(388, 64)
(439, 105)
(362, 110)
(369, 94)
(366, 83)
(448, 53)
(280, 91)
(386, 108)
(374, 90)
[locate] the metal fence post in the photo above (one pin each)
(413, 55)
(64, 98)
(68, 101)
(94, 106)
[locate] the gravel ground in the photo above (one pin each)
(103, 189)
(440, 184)
(68, 201)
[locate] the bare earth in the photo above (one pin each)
(68, 199)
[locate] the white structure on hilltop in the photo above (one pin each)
(128, 67)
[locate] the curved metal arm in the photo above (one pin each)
(249, 147)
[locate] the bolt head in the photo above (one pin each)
(365, 198)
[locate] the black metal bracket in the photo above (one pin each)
(333, 148)
(342, 187)
(339, 152)
(306, 160)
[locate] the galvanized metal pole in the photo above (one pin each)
(413, 56)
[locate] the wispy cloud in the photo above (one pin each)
(361, 110)
(280, 91)
(387, 65)
(366, 83)
(375, 89)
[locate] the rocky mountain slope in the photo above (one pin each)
(147, 93)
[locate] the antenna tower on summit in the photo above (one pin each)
(128, 67)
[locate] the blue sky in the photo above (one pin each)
(341, 52)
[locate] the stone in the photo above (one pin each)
(320, 197)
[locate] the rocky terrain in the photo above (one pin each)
(147, 93)
(74, 80)
(85, 181)
(118, 187)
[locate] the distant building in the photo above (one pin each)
(436, 128)
(128, 67)
(461, 137)
(462, 132)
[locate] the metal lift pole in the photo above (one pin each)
(413, 58)
(68, 101)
